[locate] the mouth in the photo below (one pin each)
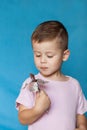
(43, 68)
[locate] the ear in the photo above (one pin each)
(66, 54)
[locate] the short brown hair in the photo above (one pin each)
(50, 30)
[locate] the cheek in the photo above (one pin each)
(36, 61)
(56, 61)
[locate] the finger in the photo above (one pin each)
(43, 92)
(37, 94)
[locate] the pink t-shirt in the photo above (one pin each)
(67, 100)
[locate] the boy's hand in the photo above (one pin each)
(42, 102)
(81, 122)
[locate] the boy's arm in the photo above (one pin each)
(81, 122)
(29, 116)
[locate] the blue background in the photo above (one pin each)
(18, 19)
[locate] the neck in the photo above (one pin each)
(57, 77)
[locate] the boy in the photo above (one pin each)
(59, 103)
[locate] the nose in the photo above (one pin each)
(43, 59)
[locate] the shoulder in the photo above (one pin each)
(75, 83)
(74, 80)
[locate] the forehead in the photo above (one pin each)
(47, 45)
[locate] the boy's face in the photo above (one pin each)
(48, 57)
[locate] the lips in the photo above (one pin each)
(44, 68)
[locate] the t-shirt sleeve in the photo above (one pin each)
(82, 103)
(25, 97)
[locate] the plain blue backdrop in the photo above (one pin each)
(18, 19)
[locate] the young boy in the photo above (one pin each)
(59, 103)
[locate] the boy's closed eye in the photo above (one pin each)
(38, 55)
(49, 56)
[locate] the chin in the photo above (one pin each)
(45, 74)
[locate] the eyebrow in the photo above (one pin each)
(37, 51)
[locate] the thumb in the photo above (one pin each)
(37, 94)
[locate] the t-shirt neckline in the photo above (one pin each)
(56, 81)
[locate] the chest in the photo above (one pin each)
(63, 98)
